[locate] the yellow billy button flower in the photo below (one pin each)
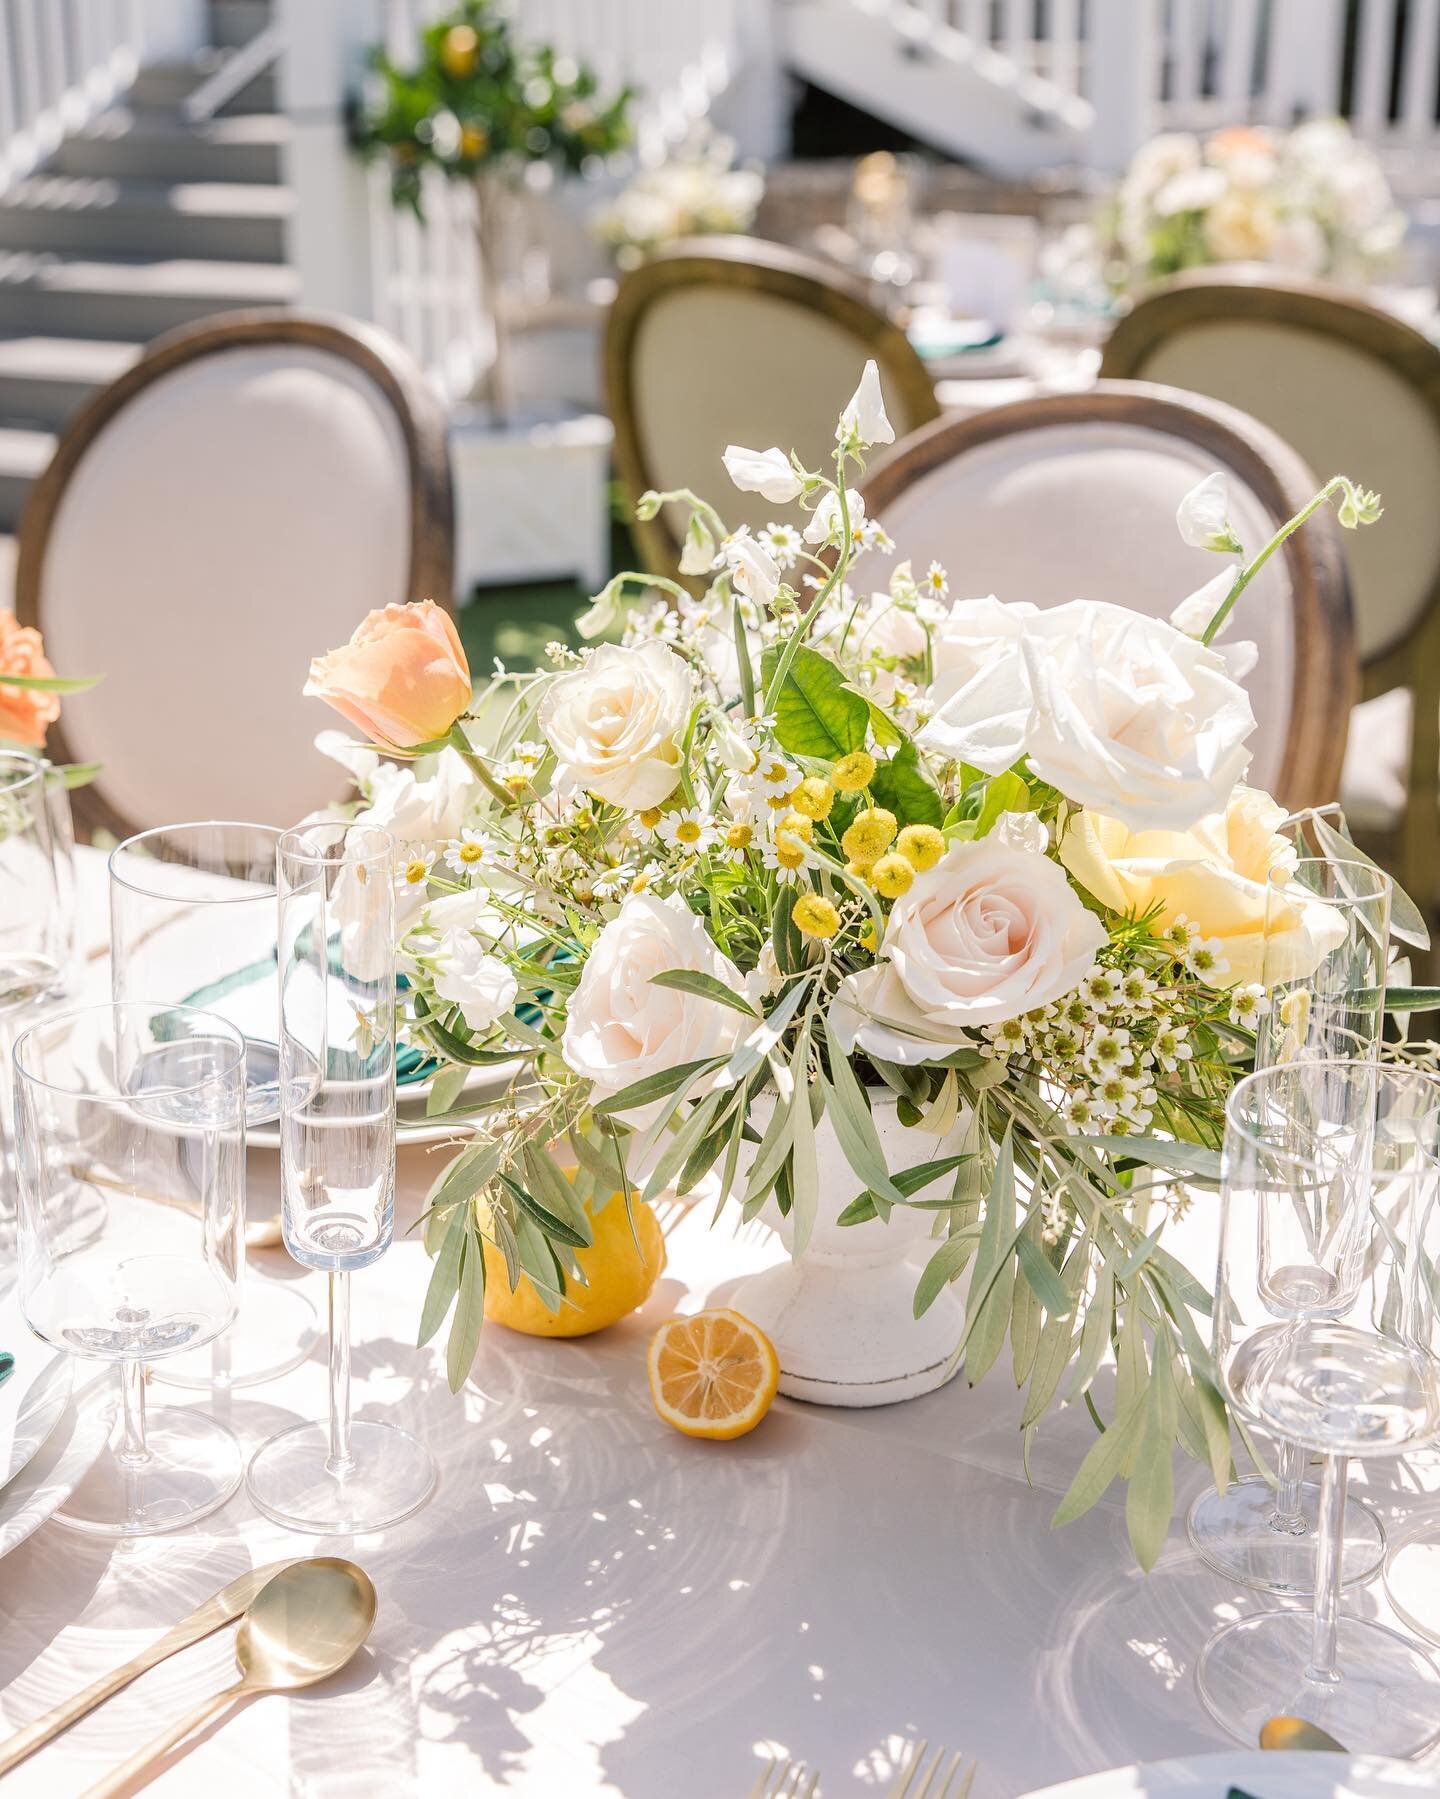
(798, 825)
(870, 835)
(814, 797)
(815, 916)
(891, 876)
(921, 845)
(789, 850)
(868, 939)
(649, 817)
(854, 771)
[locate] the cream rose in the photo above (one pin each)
(1216, 875)
(616, 723)
(988, 933)
(1120, 712)
(620, 1027)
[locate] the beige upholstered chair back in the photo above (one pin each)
(1074, 497)
(230, 507)
(1353, 389)
(730, 340)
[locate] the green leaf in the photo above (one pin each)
(473, 1169)
(681, 1147)
(51, 683)
(445, 1088)
(854, 1127)
(1044, 1282)
(551, 1225)
(816, 714)
(902, 787)
(444, 1277)
(887, 733)
(1005, 793)
(557, 1195)
(1102, 1463)
(804, 1165)
(654, 1086)
(774, 1148)
(1193, 1159)
(991, 1292)
(469, 1315)
(785, 937)
(1151, 1498)
(947, 1262)
(756, 1044)
(860, 1210)
(1412, 999)
(705, 986)
(80, 774)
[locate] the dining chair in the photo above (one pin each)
(1355, 390)
(1073, 496)
(723, 340)
(229, 507)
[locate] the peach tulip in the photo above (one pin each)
(402, 679)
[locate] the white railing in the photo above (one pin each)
(63, 61)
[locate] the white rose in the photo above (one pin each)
(1119, 712)
(615, 723)
(620, 1027)
(864, 417)
(968, 642)
(1203, 516)
(469, 977)
(412, 811)
(766, 472)
(988, 933)
(753, 570)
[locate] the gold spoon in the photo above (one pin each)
(1296, 1733)
(302, 1626)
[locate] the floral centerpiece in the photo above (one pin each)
(1311, 201)
(696, 192)
(485, 109)
(964, 897)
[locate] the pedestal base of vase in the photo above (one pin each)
(848, 1335)
(1232, 1532)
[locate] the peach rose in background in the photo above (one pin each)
(402, 679)
(25, 713)
(1216, 875)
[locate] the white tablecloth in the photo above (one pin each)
(593, 1605)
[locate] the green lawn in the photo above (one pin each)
(515, 623)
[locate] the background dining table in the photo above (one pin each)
(591, 1604)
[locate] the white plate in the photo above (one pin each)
(40, 1410)
(52, 1475)
(1261, 1774)
(411, 1125)
(34, 1396)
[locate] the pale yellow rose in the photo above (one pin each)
(1216, 875)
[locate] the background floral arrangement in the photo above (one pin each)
(1312, 200)
(696, 192)
(766, 861)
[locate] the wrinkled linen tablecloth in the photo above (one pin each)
(591, 1604)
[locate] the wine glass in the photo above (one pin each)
(135, 1111)
(1308, 1147)
(193, 919)
(337, 1156)
(1262, 1535)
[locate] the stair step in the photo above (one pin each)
(60, 296)
(216, 220)
(235, 22)
(24, 455)
(162, 86)
(124, 145)
(43, 380)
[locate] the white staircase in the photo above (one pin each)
(138, 220)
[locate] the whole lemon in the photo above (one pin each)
(619, 1277)
(459, 50)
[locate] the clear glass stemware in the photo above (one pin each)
(337, 1133)
(130, 1144)
(1261, 1535)
(1310, 1147)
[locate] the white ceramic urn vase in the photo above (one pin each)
(842, 1313)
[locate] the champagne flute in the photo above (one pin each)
(1327, 939)
(193, 919)
(134, 1115)
(1308, 1147)
(337, 1134)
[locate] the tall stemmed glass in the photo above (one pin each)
(1262, 1535)
(337, 1135)
(135, 1114)
(1301, 1356)
(193, 919)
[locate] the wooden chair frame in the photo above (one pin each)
(417, 410)
(752, 265)
(1258, 294)
(1325, 682)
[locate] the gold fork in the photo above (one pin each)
(785, 1780)
(954, 1784)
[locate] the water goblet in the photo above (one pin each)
(337, 1155)
(1310, 1147)
(1339, 911)
(194, 919)
(134, 1113)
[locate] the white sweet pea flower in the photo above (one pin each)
(414, 811)
(1194, 613)
(697, 557)
(864, 417)
(766, 472)
(753, 570)
(825, 526)
(466, 975)
(1204, 517)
